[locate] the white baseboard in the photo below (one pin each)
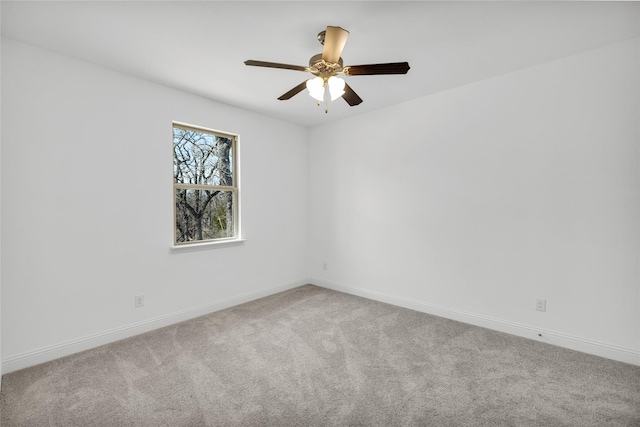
(606, 350)
(36, 357)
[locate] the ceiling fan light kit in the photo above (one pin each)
(318, 86)
(326, 67)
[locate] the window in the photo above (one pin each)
(205, 185)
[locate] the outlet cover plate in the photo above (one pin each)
(138, 300)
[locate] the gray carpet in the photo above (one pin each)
(315, 357)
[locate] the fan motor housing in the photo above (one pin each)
(320, 67)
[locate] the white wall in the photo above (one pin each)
(474, 202)
(470, 204)
(87, 207)
(0, 233)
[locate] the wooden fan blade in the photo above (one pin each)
(371, 69)
(296, 90)
(334, 41)
(275, 65)
(350, 96)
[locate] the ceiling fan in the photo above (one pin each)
(326, 66)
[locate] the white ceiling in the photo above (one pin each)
(201, 46)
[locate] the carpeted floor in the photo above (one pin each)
(315, 357)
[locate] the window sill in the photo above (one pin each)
(206, 245)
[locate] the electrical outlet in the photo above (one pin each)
(541, 304)
(138, 300)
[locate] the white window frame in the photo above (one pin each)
(233, 189)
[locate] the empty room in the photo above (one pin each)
(302, 213)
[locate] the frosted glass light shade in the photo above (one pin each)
(336, 87)
(316, 88)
